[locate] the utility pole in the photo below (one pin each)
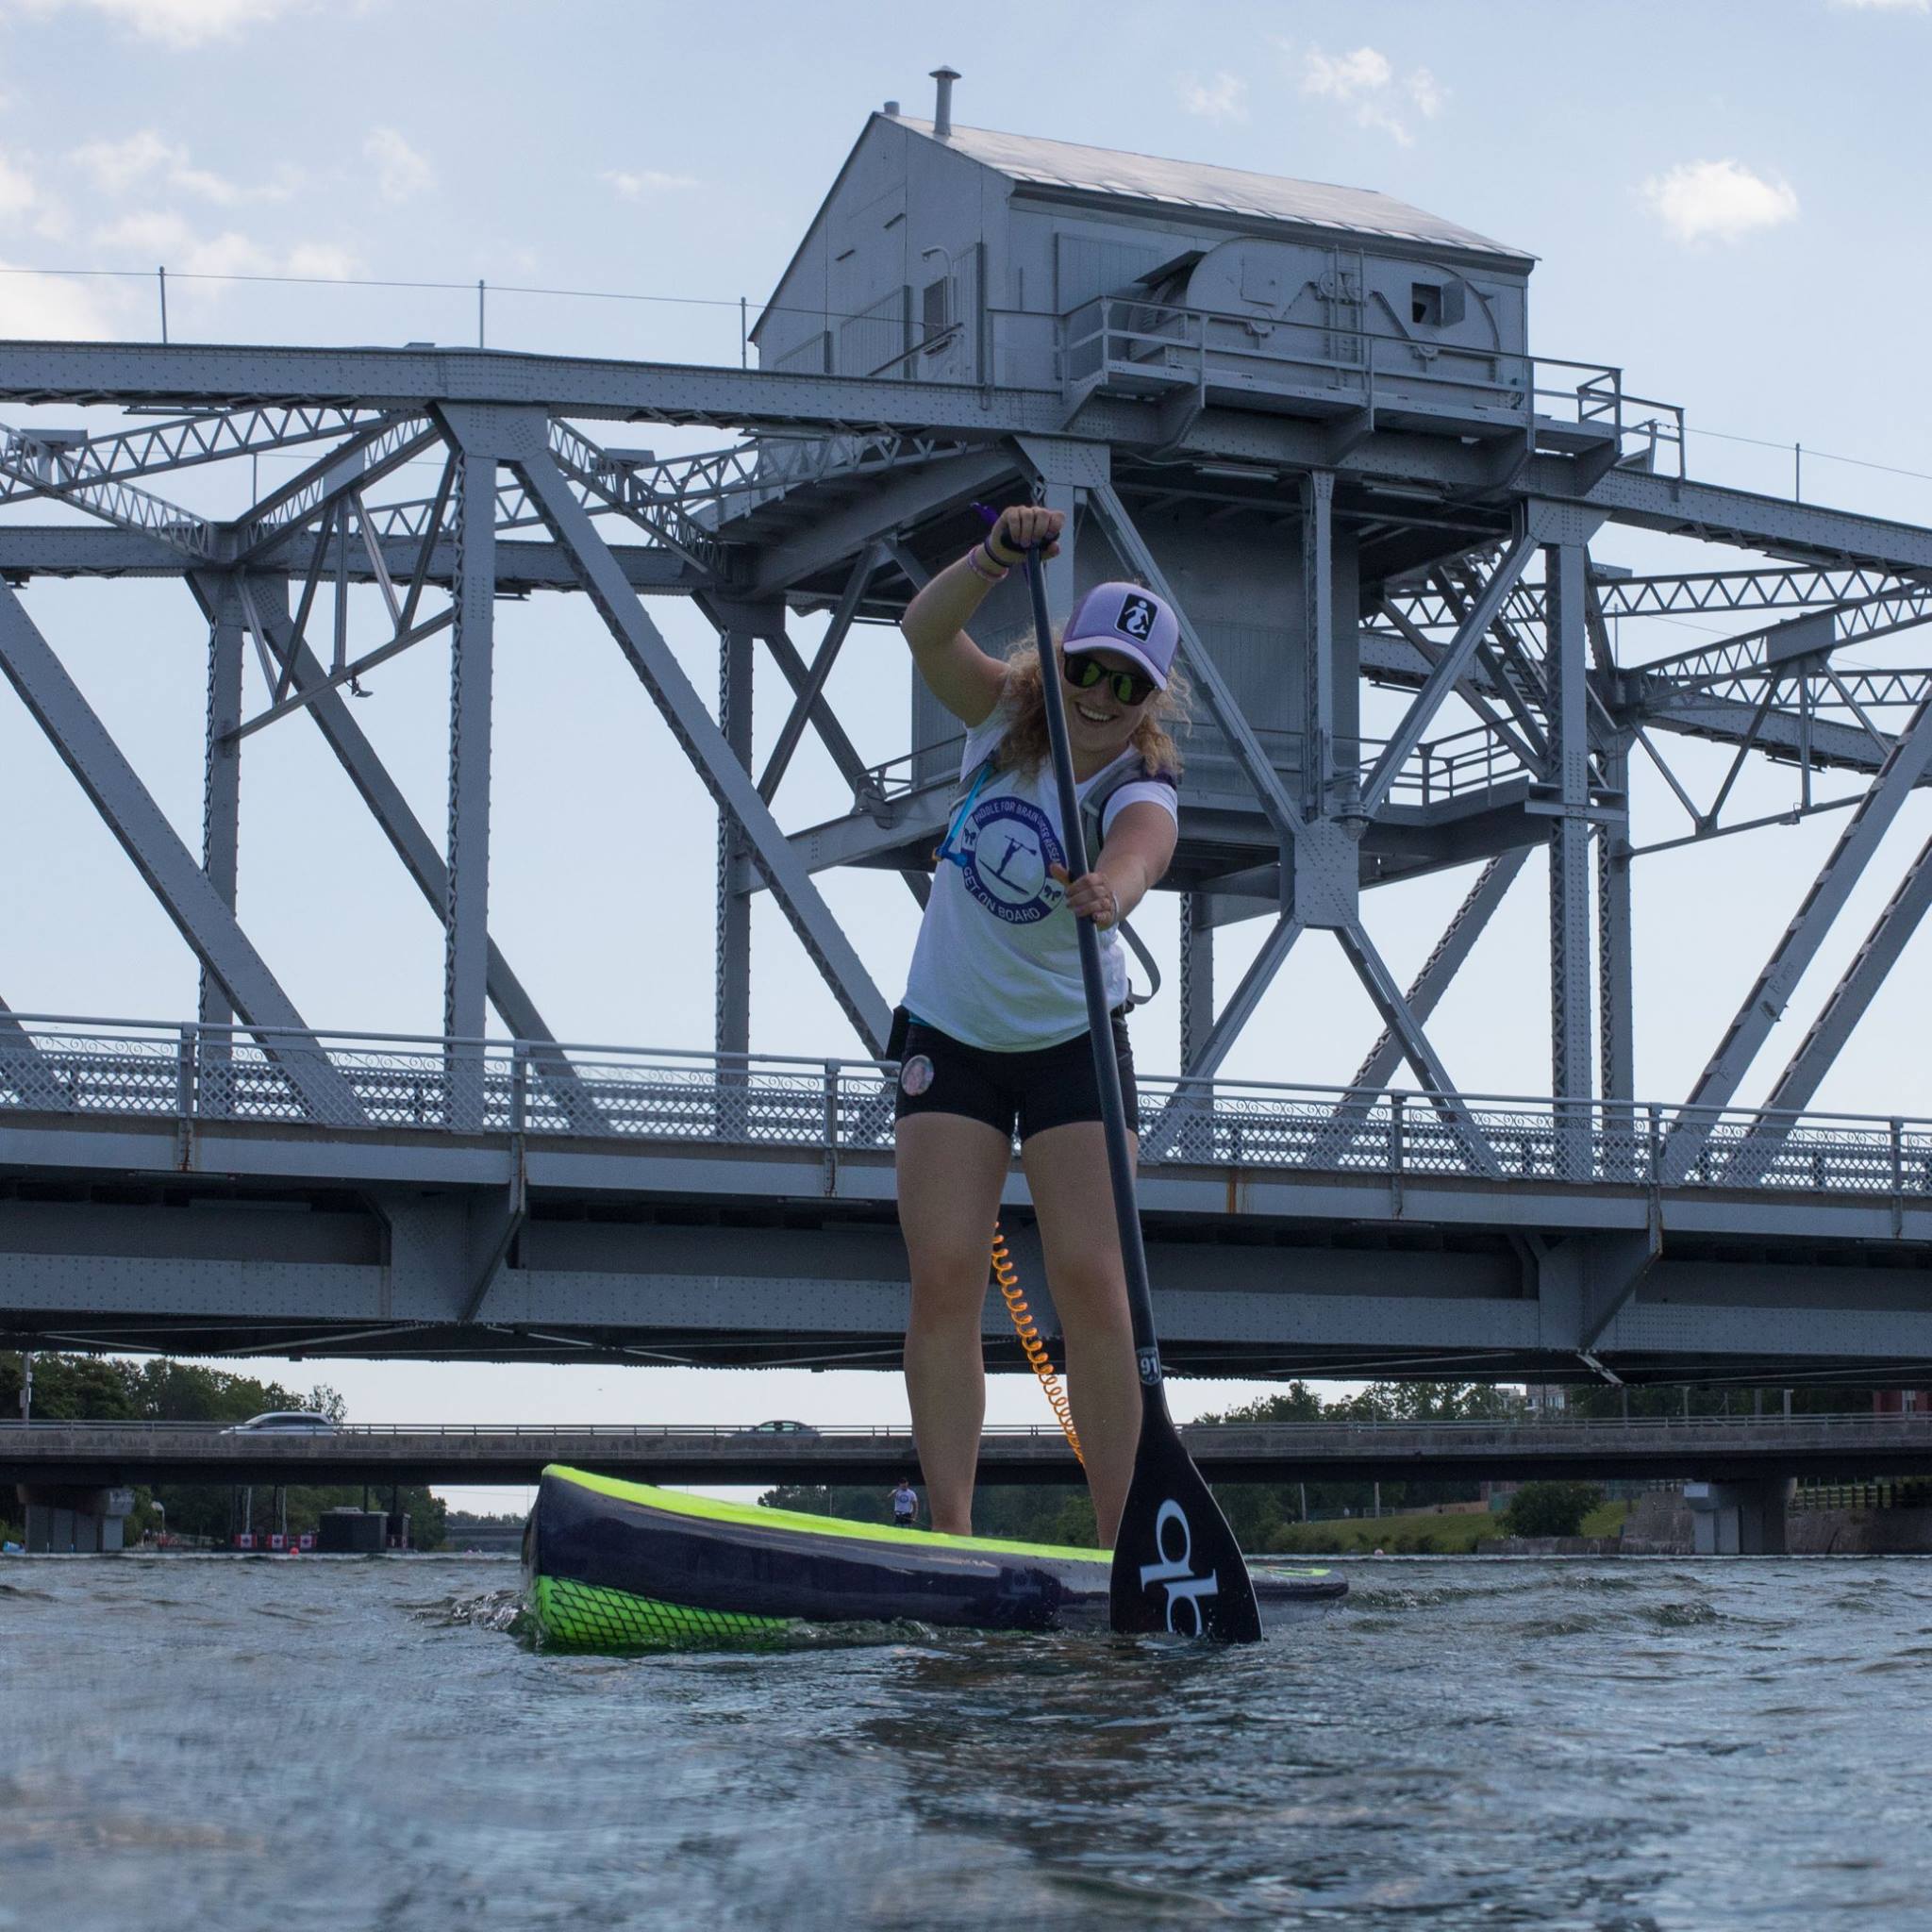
(26, 1385)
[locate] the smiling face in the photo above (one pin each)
(1099, 727)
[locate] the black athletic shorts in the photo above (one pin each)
(1028, 1092)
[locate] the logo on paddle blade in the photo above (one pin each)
(1175, 1572)
(1149, 1362)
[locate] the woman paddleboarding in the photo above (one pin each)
(994, 1023)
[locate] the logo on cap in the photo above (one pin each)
(1137, 618)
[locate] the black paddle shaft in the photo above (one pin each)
(1177, 1565)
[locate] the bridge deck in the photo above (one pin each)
(187, 1187)
(1712, 1448)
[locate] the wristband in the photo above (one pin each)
(985, 578)
(986, 544)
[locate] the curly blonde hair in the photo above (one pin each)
(1026, 746)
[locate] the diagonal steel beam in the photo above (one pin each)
(724, 776)
(356, 462)
(186, 893)
(1458, 938)
(1245, 998)
(811, 691)
(1379, 983)
(844, 753)
(1192, 1098)
(1426, 647)
(420, 858)
(1856, 989)
(1282, 811)
(1449, 671)
(123, 504)
(1905, 766)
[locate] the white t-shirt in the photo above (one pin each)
(997, 964)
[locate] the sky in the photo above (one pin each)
(1723, 201)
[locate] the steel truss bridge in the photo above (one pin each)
(1710, 1448)
(247, 1183)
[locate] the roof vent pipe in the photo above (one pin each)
(891, 111)
(942, 107)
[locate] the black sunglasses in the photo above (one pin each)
(1129, 687)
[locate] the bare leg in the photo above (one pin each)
(1066, 1170)
(950, 1170)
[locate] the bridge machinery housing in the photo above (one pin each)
(1312, 418)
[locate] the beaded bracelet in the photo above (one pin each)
(973, 564)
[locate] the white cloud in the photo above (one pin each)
(145, 156)
(118, 165)
(1345, 76)
(1223, 98)
(180, 22)
(1365, 83)
(645, 184)
(323, 261)
(1723, 201)
(1428, 93)
(151, 233)
(163, 237)
(18, 194)
(401, 172)
(40, 307)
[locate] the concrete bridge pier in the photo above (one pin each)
(1739, 1519)
(66, 1518)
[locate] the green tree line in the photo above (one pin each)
(93, 1388)
(1268, 1516)
(1259, 1513)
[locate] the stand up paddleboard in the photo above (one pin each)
(616, 1566)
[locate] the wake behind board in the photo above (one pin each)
(613, 1566)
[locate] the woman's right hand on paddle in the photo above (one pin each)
(1020, 527)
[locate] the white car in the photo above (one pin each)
(283, 1422)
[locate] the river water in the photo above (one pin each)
(218, 1743)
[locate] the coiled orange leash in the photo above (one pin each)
(1007, 1279)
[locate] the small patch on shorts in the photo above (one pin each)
(915, 1077)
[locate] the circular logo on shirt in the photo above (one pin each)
(915, 1077)
(1007, 849)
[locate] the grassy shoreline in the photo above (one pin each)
(1422, 1533)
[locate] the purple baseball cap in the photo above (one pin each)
(1129, 619)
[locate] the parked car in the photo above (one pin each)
(283, 1421)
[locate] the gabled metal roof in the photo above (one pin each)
(1064, 164)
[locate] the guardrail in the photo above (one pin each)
(194, 1076)
(1660, 1428)
(1127, 343)
(1472, 761)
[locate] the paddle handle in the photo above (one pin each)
(1107, 1072)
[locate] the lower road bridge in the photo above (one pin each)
(207, 1191)
(1714, 1449)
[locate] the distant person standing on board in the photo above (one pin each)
(993, 1036)
(904, 1504)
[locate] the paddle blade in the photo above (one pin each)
(1176, 1567)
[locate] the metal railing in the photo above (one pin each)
(55, 1068)
(1475, 760)
(1126, 343)
(1657, 1428)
